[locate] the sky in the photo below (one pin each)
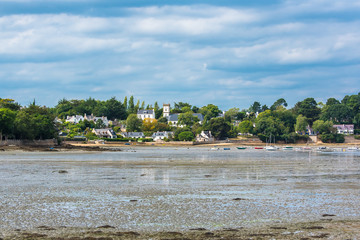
(227, 53)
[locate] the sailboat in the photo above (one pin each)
(271, 147)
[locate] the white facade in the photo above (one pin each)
(166, 110)
(142, 114)
(74, 119)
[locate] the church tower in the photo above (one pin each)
(166, 109)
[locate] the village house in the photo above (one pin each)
(205, 137)
(74, 119)
(159, 136)
(142, 114)
(344, 128)
(173, 118)
(77, 118)
(132, 134)
(104, 133)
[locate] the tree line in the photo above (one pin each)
(279, 121)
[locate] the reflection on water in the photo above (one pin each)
(168, 188)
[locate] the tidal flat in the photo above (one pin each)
(179, 193)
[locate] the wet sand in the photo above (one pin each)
(326, 229)
(179, 193)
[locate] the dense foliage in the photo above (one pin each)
(276, 121)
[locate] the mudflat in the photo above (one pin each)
(179, 193)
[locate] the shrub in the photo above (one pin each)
(332, 138)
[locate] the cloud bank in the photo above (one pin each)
(229, 55)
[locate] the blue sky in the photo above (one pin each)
(228, 53)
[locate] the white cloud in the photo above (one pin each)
(190, 49)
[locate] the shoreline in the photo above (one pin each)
(326, 228)
(111, 146)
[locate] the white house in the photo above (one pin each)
(77, 118)
(74, 119)
(344, 128)
(105, 133)
(132, 134)
(142, 114)
(173, 118)
(205, 136)
(158, 136)
(95, 119)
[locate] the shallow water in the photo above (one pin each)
(176, 188)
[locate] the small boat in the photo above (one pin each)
(271, 148)
(226, 148)
(324, 149)
(288, 148)
(353, 149)
(214, 148)
(307, 148)
(241, 148)
(258, 148)
(127, 143)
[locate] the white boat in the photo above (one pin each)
(324, 149)
(214, 148)
(353, 149)
(271, 148)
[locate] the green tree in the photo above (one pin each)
(255, 107)
(269, 125)
(133, 123)
(301, 124)
(232, 113)
(309, 109)
(115, 109)
(323, 127)
(7, 118)
(187, 119)
(246, 127)
(339, 113)
(186, 136)
(35, 122)
(185, 109)
(125, 103)
(131, 107)
(277, 103)
(210, 110)
(219, 128)
(10, 104)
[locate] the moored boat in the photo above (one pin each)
(226, 148)
(241, 148)
(258, 148)
(324, 149)
(271, 148)
(288, 148)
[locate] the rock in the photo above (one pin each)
(106, 226)
(314, 227)
(198, 229)
(328, 215)
(239, 199)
